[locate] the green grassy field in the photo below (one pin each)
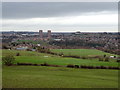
(57, 77)
(38, 58)
(22, 53)
(81, 52)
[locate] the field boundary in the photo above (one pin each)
(68, 66)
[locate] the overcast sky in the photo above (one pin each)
(60, 17)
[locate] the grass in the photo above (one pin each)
(38, 58)
(81, 52)
(22, 53)
(63, 61)
(57, 77)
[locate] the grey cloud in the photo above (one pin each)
(18, 10)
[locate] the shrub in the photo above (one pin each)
(8, 60)
(90, 67)
(17, 54)
(109, 67)
(83, 66)
(103, 67)
(24, 64)
(100, 59)
(45, 64)
(28, 49)
(61, 54)
(97, 67)
(104, 55)
(43, 50)
(115, 68)
(75, 56)
(35, 64)
(71, 66)
(76, 66)
(83, 57)
(107, 59)
(118, 60)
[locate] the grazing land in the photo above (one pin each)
(81, 52)
(58, 77)
(38, 58)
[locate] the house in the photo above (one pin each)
(22, 48)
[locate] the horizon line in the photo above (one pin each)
(68, 31)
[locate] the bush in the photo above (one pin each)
(104, 56)
(17, 54)
(28, 49)
(107, 59)
(43, 50)
(8, 60)
(109, 67)
(118, 60)
(98, 67)
(83, 66)
(90, 67)
(83, 57)
(103, 67)
(113, 67)
(45, 64)
(76, 66)
(61, 54)
(100, 59)
(71, 66)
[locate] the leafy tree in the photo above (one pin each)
(43, 50)
(104, 56)
(8, 60)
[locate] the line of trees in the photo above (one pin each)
(74, 42)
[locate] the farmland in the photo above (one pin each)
(38, 58)
(57, 77)
(81, 52)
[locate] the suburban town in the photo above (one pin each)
(107, 42)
